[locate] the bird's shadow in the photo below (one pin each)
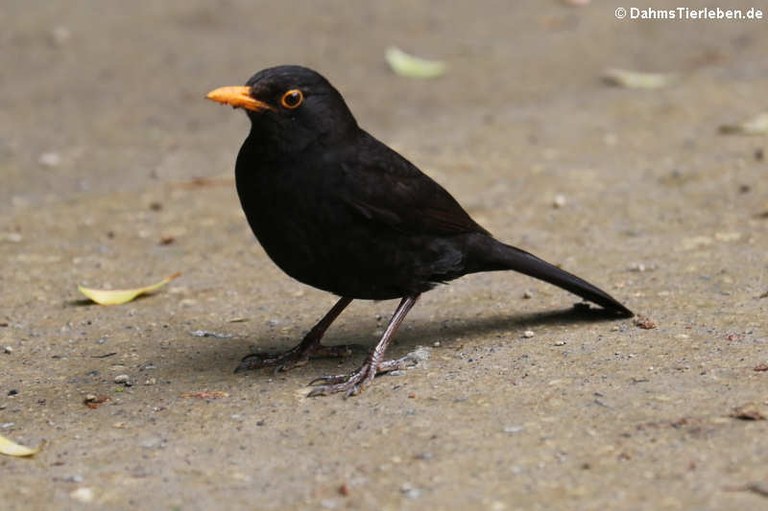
(428, 332)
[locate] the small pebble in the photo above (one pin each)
(19, 202)
(206, 333)
(528, 294)
(559, 201)
(8, 350)
(644, 322)
(60, 36)
(123, 379)
(82, 494)
(641, 267)
(513, 429)
(561, 343)
(153, 443)
(410, 491)
(528, 334)
(11, 237)
(50, 159)
(419, 355)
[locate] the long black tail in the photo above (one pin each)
(488, 254)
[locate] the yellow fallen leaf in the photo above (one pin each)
(11, 448)
(121, 296)
(637, 80)
(757, 125)
(410, 66)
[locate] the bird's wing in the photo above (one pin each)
(385, 187)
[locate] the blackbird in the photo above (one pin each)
(339, 210)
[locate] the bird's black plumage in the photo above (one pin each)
(339, 210)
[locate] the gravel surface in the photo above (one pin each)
(116, 172)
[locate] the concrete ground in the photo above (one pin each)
(116, 172)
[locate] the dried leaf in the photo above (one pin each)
(93, 401)
(758, 125)
(637, 80)
(410, 66)
(203, 182)
(758, 487)
(121, 296)
(645, 323)
(748, 412)
(11, 448)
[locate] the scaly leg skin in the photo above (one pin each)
(354, 383)
(300, 354)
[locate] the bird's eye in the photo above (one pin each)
(292, 99)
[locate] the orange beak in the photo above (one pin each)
(237, 97)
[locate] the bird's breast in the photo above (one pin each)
(302, 220)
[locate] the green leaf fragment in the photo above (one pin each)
(637, 80)
(410, 66)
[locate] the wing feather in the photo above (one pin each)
(384, 187)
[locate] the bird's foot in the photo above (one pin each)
(295, 357)
(354, 383)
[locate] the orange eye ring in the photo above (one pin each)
(292, 99)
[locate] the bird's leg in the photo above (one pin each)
(354, 383)
(309, 347)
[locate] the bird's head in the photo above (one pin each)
(290, 107)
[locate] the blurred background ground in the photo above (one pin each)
(116, 172)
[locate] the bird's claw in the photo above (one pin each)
(398, 364)
(349, 384)
(291, 359)
(283, 362)
(329, 379)
(354, 383)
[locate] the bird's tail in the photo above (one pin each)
(488, 254)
